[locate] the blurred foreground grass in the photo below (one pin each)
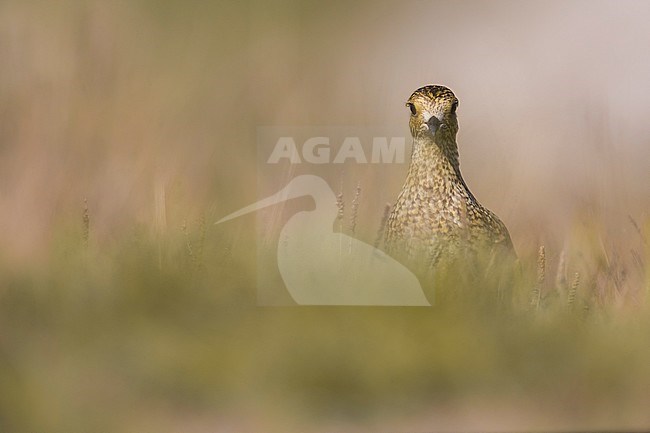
(161, 332)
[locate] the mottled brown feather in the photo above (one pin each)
(436, 216)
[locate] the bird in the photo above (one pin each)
(323, 267)
(436, 219)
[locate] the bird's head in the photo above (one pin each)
(433, 113)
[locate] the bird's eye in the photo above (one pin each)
(454, 105)
(412, 108)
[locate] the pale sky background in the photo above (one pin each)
(106, 100)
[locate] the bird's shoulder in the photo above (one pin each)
(494, 230)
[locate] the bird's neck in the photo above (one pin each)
(435, 162)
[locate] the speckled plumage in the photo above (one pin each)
(436, 216)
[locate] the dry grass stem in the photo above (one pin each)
(573, 289)
(541, 276)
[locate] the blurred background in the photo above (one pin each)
(128, 128)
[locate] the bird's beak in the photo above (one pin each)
(433, 123)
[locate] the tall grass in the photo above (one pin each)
(107, 338)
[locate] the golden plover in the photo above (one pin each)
(436, 217)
